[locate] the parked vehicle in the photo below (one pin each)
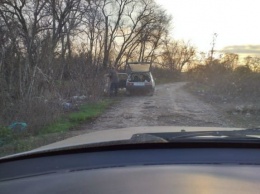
(140, 78)
(122, 80)
(121, 84)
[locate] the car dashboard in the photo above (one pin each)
(136, 169)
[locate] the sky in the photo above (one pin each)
(236, 23)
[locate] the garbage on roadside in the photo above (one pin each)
(18, 126)
(83, 97)
(67, 105)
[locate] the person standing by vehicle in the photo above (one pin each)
(113, 81)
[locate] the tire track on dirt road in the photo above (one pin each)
(171, 105)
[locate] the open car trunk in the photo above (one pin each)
(138, 67)
(140, 77)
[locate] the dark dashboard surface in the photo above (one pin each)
(182, 170)
(178, 179)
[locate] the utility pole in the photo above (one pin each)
(213, 46)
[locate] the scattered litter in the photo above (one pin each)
(18, 126)
(248, 114)
(240, 108)
(67, 105)
(83, 97)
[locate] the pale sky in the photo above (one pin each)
(235, 21)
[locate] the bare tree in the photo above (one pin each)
(176, 55)
(212, 51)
(65, 17)
(27, 17)
(230, 60)
(93, 25)
(45, 41)
(253, 63)
(146, 34)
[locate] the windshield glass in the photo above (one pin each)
(64, 70)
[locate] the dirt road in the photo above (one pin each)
(171, 105)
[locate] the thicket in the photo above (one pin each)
(239, 84)
(53, 52)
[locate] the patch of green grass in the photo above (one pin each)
(24, 144)
(8, 135)
(21, 145)
(13, 142)
(57, 127)
(86, 112)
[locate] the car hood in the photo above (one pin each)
(113, 135)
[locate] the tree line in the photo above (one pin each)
(63, 47)
(43, 41)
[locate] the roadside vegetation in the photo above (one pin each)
(54, 55)
(13, 141)
(231, 85)
(164, 76)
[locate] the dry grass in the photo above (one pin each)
(236, 92)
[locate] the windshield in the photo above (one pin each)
(64, 71)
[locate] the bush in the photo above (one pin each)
(243, 70)
(165, 75)
(5, 135)
(240, 84)
(8, 135)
